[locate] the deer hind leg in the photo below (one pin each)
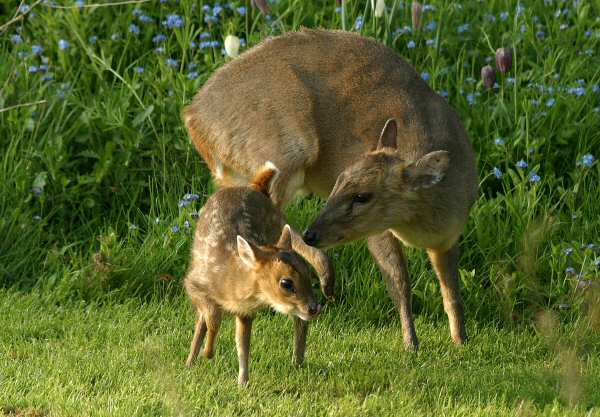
(199, 334)
(212, 316)
(389, 256)
(445, 264)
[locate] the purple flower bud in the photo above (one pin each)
(262, 5)
(488, 75)
(504, 59)
(417, 12)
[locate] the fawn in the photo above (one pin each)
(343, 117)
(245, 258)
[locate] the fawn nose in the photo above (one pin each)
(314, 309)
(310, 237)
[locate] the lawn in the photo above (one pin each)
(95, 234)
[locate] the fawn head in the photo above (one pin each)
(282, 276)
(379, 191)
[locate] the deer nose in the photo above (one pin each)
(314, 309)
(310, 237)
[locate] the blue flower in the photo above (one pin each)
(338, 10)
(540, 34)
(534, 177)
(204, 35)
(37, 49)
(43, 68)
(160, 50)
(48, 77)
(186, 224)
(430, 42)
(93, 39)
(550, 102)
(139, 70)
(192, 75)
(214, 44)
(133, 28)
(570, 270)
(425, 76)
(587, 160)
(145, 19)
(79, 3)
(577, 91)
(133, 226)
(497, 173)
(431, 26)
(115, 37)
(471, 99)
(463, 28)
(137, 12)
(173, 21)
(597, 262)
(175, 229)
(192, 66)
(191, 197)
(241, 10)
(193, 45)
(63, 44)
(208, 19)
(499, 141)
(411, 44)
(217, 10)
(568, 251)
(443, 93)
(159, 38)
(358, 23)
(32, 69)
(503, 16)
(206, 8)
(22, 54)
(521, 164)
(172, 62)
(24, 8)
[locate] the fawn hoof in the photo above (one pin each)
(242, 381)
(297, 361)
(411, 343)
(461, 340)
(209, 354)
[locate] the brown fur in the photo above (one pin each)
(241, 254)
(314, 103)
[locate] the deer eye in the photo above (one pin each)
(361, 198)
(287, 285)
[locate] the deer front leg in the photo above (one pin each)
(445, 264)
(388, 254)
(243, 328)
(300, 333)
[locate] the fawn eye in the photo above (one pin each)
(361, 198)
(287, 285)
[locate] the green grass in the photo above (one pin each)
(127, 359)
(93, 319)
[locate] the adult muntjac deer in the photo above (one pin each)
(343, 116)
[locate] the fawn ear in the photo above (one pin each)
(285, 240)
(246, 252)
(427, 171)
(387, 138)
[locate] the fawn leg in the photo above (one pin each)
(243, 328)
(388, 254)
(212, 316)
(445, 264)
(196, 340)
(300, 333)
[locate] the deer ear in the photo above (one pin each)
(427, 171)
(246, 253)
(387, 139)
(285, 240)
